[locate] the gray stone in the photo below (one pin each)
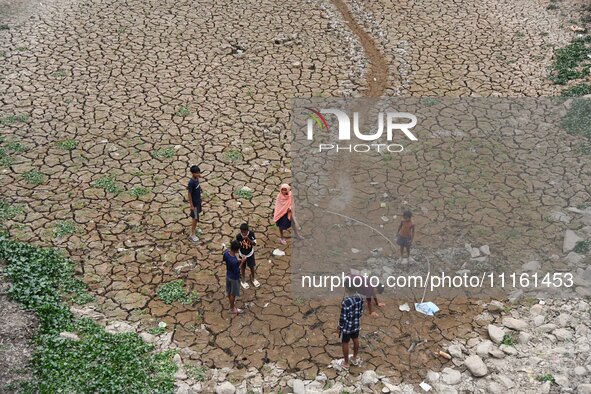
(574, 258)
(584, 388)
(432, 377)
(539, 320)
(564, 319)
(484, 348)
(545, 388)
(561, 380)
(182, 388)
(580, 371)
(225, 388)
(476, 366)
(558, 216)
(495, 307)
(147, 337)
(496, 333)
(451, 376)
(536, 309)
(496, 353)
(547, 327)
(532, 266)
(455, 351)
(474, 252)
(495, 388)
(514, 324)
(570, 240)
(444, 389)
(298, 387)
(508, 350)
(563, 334)
(505, 381)
(485, 250)
(369, 377)
(523, 338)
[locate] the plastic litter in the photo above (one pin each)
(425, 386)
(427, 308)
(278, 252)
(404, 308)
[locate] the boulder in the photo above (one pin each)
(225, 388)
(369, 377)
(476, 366)
(514, 324)
(299, 387)
(451, 376)
(496, 333)
(570, 240)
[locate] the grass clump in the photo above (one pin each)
(109, 184)
(33, 177)
(244, 193)
(164, 153)
(138, 191)
(183, 111)
(175, 291)
(578, 118)
(508, 340)
(196, 373)
(5, 159)
(64, 228)
(99, 362)
(582, 247)
(68, 144)
(569, 62)
(9, 211)
(233, 155)
(11, 119)
(59, 74)
(546, 378)
(581, 89)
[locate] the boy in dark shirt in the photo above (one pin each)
(350, 324)
(247, 241)
(233, 266)
(194, 189)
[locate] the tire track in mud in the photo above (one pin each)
(377, 74)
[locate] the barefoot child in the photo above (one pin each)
(247, 241)
(350, 324)
(405, 234)
(283, 215)
(194, 189)
(233, 265)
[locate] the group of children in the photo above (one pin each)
(241, 254)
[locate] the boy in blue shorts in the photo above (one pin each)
(194, 189)
(247, 241)
(233, 266)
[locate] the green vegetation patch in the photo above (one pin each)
(244, 193)
(98, 362)
(34, 177)
(581, 89)
(571, 62)
(68, 144)
(64, 228)
(546, 378)
(138, 191)
(9, 211)
(183, 111)
(233, 155)
(578, 118)
(175, 291)
(508, 340)
(582, 247)
(12, 119)
(109, 184)
(164, 153)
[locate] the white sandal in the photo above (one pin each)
(245, 285)
(256, 283)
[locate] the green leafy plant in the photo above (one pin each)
(98, 362)
(68, 144)
(157, 330)
(546, 378)
(570, 61)
(60, 74)
(233, 155)
(582, 247)
(196, 373)
(11, 119)
(508, 340)
(64, 228)
(166, 153)
(577, 120)
(33, 177)
(243, 193)
(139, 191)
(5, 159)
(9, 211)
(4, 27)
(109, 184)
(581, 89)
(16, 147)
(175, 291)
(183, 111)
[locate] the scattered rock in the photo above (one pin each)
(485, 250)
(119, 327)
(484, 348)
(584, 388)
(225, 388)
(476, 366)
(570, 240)
(496, 333)
(451, 376)
(298, 387)
(532, 266)
(495, 306)
(573, 258)
(514, 324)
(369, 377)
(563, 334)
(455, 351)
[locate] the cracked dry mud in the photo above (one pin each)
(116, 77)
